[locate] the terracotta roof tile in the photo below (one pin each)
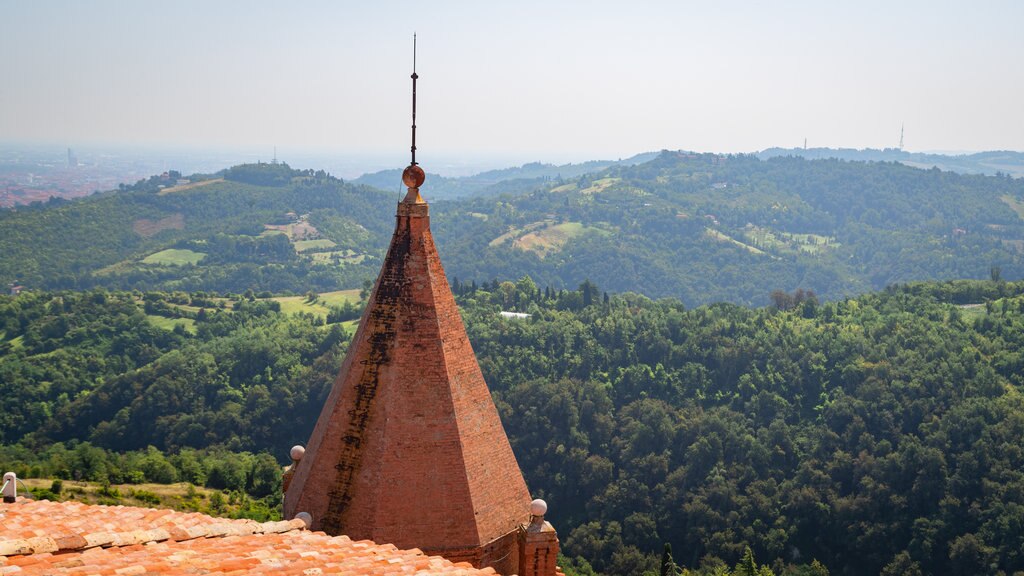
(40, 537)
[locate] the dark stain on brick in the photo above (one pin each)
(382, 336)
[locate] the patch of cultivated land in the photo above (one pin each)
(301, 230)
(312, 245)
(515, 232)
(320, 307)
(188, 186)
(174, 257)
(768, 239)
(181, 496)
(170, 323)
(147, 228)
(726, 238)
(544, 237)
(600, 185)
(1014, 204)
(338, 257)
(549, 239)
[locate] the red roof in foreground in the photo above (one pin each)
(41, 537)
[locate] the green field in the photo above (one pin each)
(775, 241)
(174, 257)
(544, 237)
(169, 323)
(544, 241)
(309, 245)
(296, 304)
(974, 311)
(600, 185)
(726, 238)
(339, 256)
(1014, 204)
(182, 496)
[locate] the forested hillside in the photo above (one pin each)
(707, 228)
(701, 228)
(880, 434)
(494, 182)
(261, 227)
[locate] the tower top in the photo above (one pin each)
(413, 176)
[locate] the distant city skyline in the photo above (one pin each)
(525, 81)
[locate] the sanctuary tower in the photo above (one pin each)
(409, 449)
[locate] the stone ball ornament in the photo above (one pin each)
(297, 452)
(538, 507)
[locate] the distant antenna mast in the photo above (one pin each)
(805, 143)
(414, 77)
(901, 136)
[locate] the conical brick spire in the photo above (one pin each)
(409, 448)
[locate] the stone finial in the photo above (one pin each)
(538, 508)
(10, 487)
(538, 544)
(296, 454)
(306, 518)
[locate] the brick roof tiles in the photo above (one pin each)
(41, 537)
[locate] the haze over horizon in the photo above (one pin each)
(530, 81)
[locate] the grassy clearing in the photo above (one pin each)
(972, 311)
(147, 228)
(183, 497)
(296, 231)
(1014, 204)
(726, 238)
(565, 187)
(552, 237)
(515, 232)
(544, 237)
(338, 256)
(311, 245)
(600, 185)
(188, 186)
(174, 257)
(768, 239)
(320, 307)
(170, 323)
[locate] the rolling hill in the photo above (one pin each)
(700, 227)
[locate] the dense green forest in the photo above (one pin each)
(702, 228)
(880, 434)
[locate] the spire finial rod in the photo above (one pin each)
(413, 175)
(414, 77)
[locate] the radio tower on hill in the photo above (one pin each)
(901, 136)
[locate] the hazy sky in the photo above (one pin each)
(540, 80)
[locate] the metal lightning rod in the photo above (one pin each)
(414, 77)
